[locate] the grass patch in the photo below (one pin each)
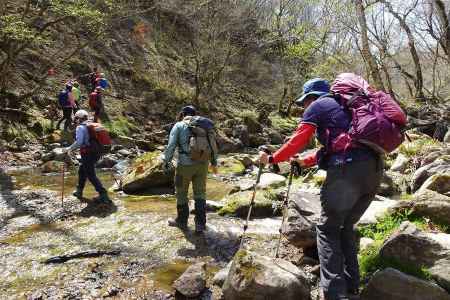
(370, 259)
(120, 127)
(417, 147)
(286, 125)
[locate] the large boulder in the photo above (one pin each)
(429, 204)
(391, 284)
(438, 182)
(439, 166)
(413, 247)
(192, 282)
(388, 186)
(303, 213)
(256, 277)
(238, 205)
(52, 166)
(401, 163)
(145, 173)
(377, 208)
(227, 144)
(230, 166)
(271, 180)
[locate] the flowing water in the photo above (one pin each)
(152, 255)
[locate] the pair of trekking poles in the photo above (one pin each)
(295, 169)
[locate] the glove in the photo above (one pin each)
(168, 167)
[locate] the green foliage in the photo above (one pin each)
(120, 127)
(286, 125)
(417, 147)
(370, 259)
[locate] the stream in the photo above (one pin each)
(151, 255)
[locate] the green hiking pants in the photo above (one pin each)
(197, 174)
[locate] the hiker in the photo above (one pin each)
(101, 81)
(89, 157)
(194, 137)
(66, 103)
(76, 94)
(96, 103)
(93, 79)
(353, 178)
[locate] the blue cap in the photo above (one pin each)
(189, 110)
(315, 86)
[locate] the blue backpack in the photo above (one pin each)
(103, 83)
(63, 98)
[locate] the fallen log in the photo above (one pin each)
(86, 254)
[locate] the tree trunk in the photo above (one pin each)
(367, 55)
(445, 26)
(418, 80)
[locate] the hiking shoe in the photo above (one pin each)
(78, 194)
(200, 228)
(174, 223)
(103, 198)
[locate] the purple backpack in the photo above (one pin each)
(377, 120)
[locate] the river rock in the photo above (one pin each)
(222, 275)
(241, 132)
(125, 141)
(107, 161)
(438, 182)
(271, 180)
(365, 243)
(193, 281)
(439, 166)
(238, 204)
(379, 207)
(52, 167)
(388, 187)
(145, 173)
(303, 215)
(227, 144)
(429, 204)
(391, 284)
(125, 152)
(447, 137)
(401, 163)
(411, 246)
(256, 277)
(230, 166)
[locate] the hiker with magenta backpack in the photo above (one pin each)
(92, 140)
(355, 124)
(194, 136)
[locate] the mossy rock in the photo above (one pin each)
(145, 173)
(230, 166)
(239, 203)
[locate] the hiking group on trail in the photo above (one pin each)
(354, 124)
(70, 97)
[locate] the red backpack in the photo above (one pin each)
(99, 139)
(377, 120)
(93, 100)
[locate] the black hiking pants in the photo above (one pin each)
(67, 115)
(346, 194)
(87, 171)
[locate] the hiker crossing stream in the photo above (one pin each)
(36, 229)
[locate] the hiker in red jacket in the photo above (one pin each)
(353, 178)
(95, 103)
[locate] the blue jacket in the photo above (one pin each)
(179, 138)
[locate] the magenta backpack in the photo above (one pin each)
(377, 120)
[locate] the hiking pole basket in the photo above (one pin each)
(252, 202)
(295, 169)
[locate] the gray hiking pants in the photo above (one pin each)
(346, 194)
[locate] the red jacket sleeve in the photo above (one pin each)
(296, 144)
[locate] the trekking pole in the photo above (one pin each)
(252, 202)
(285, 205)
(62, 184)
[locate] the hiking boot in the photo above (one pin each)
(200, 228)
(200, 216)
(175, 223)
(181, 220)
(103, 198)
(78, 193)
